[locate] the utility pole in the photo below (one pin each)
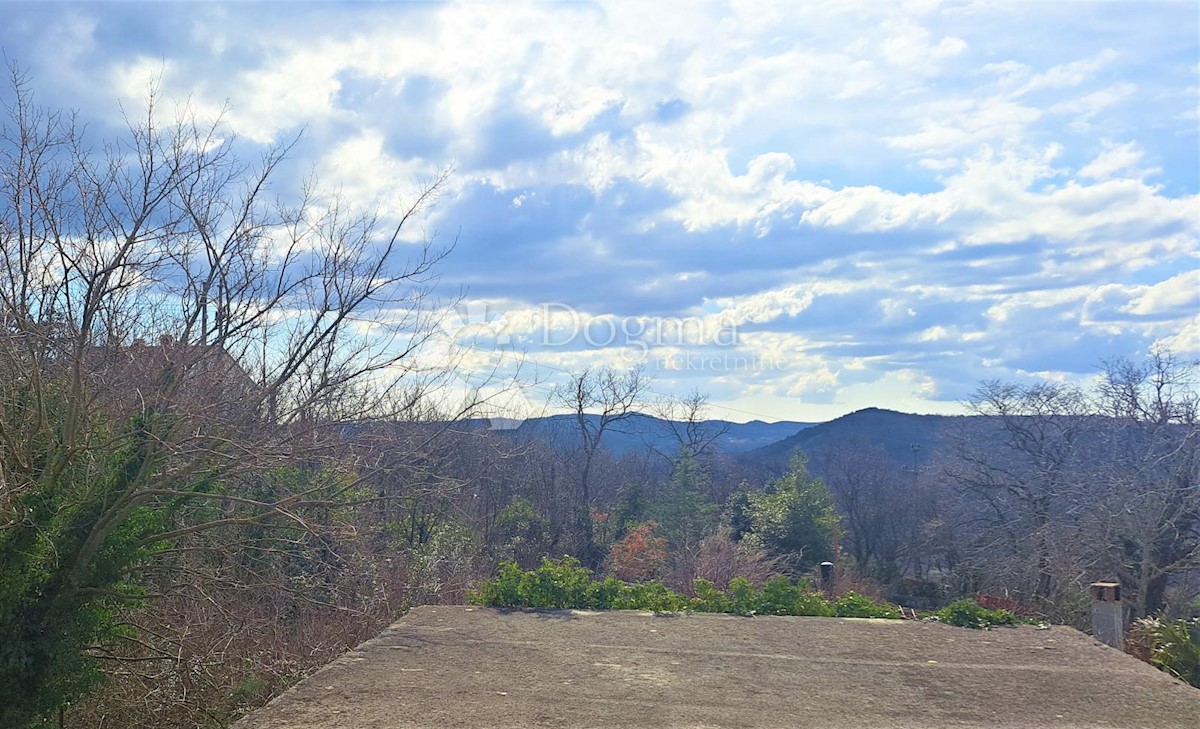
(915, 471)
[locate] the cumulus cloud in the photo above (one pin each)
(891, 200)
(1186, 341)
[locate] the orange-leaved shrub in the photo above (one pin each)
(639, 555)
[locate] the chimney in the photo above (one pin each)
(1108, 616)
(827, 579)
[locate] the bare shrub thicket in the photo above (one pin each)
(718, 559)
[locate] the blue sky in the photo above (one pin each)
(802, 209)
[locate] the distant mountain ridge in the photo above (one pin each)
(766, 446)
(891, 431)
(646, 431)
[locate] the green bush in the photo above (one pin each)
(561, 584)
(604, 594)
(649, 596)
(854, 605)
(1176, 649)
(709, 599)
(555, 584)
(565, 584)
(781, 596)
(967, 613)
(502, 592)
(743, 598)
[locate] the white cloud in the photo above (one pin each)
(1071, 74)
(1178, 293)
(1086, 107)
(1115, 159)
(1186, 341)
(765, 306)
(952, 126)
(910, 46)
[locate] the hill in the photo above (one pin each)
(648, 432)
(893, 432)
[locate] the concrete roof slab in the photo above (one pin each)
(462, 666)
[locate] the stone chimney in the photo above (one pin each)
(1108, 616)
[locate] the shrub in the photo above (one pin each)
(743, 599)
(602, 595)
(780, 596)
(504, 591)
(1175, 647)
(649, 596)
(854, 605)
(565, 584)
(967, 613)
(555, 584)
(639, 555)
(718, 559)
(708, 599)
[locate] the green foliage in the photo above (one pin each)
(1176, 649)
(709, 599)
(794, 518)
(967, 613)
(781, 596)
(521, 530)
(743, 597)
(517, 518)
(53, 601)
(854, 605)
(604, 594)
(75, 542)
(631, 508)
(502, 592)
(565, 584)
(649, 596)
(556, 584)
(684, 512)
(737, 513)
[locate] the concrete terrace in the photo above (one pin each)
(476, 667)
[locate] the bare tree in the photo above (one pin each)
(881, 510)
(686, 420)
(1066, 485)
(598, 401)
(1024, 468)
(180, 353)
(1147, 479)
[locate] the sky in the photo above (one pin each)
(801, 209)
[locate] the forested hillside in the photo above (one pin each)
(891, 432)
(642, 432)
